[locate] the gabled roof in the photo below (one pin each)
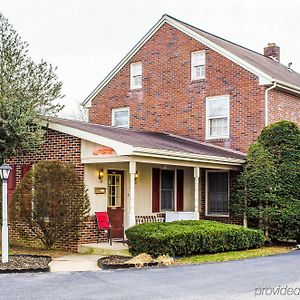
(276, 70)
(264, 67)
(131, 142)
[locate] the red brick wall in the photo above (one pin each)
(170, 102)
(65, 148)
(283, 106)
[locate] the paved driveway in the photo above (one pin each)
(228, 280)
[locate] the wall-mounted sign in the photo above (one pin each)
(100, 190)
(103, 151)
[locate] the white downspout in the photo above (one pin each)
(267, 102)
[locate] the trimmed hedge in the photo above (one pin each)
(183, 238)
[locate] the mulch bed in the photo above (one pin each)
(21, 263)
(120, 262)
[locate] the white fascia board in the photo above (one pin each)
(186, 156)
(87, 102)
(263, 77)
(288, 87)
(120, 148)
(98, 160)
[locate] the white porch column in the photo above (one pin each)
(196, 177)
(132, 170)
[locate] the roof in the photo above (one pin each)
(267, 69)
(149, 140)
(273, 68)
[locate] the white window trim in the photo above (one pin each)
(207, 214)
(113, 116)
(132, 86)
(193, 78)
(207, 136)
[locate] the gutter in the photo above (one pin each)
(139, 151)
(267, 102)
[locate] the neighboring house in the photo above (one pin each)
(170, 126)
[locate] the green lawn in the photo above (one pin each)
(234, 255)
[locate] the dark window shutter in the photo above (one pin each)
(24, 170)
(11, 184)
(179, 190)
(155, 189)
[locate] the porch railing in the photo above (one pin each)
(149, 218)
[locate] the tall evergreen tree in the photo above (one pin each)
(28, 91)
(268, 190)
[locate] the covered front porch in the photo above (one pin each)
(136, 190)
(139, 176)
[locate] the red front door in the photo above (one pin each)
(115, 202)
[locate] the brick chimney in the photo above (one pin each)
(272, 51)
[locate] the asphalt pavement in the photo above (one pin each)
(272, 277)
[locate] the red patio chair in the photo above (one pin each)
(103, 225)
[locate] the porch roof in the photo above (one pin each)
(145, 141)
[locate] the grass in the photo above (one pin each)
(234, 255)
(16, 249)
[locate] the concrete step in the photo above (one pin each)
(104, 249)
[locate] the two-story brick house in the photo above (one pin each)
(170, 125)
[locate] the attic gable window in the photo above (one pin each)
(120, 117)
(198, 65)
(136, 75)
(217, 117)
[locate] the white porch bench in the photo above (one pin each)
(149, 218)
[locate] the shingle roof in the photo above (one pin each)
(274, 70)
(267, 65)
(151, 140)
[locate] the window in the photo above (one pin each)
(167, 190)
(198, 65)
(217, 117)
(217, 193)
(120, 117)
(136, 75)
(114, 190)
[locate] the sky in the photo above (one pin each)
(85, 39)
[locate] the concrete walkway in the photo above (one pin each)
(75, 262)
(104, 249)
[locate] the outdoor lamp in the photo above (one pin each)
(4, 172)
(136, 176)
(101, 175)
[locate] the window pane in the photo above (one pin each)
(136, 69)
(218, 127)
(199, 58)
(114, 190)
(167, 179)
(217, 107)
(167, 200)
(167, 190)
(121, 117)
(199, 72)
(218, 193)
(137, 81)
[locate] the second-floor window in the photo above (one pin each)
(120, 117)
(217, 117)
(136, 75)
(198, 65)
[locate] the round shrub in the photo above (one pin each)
(183, 238)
